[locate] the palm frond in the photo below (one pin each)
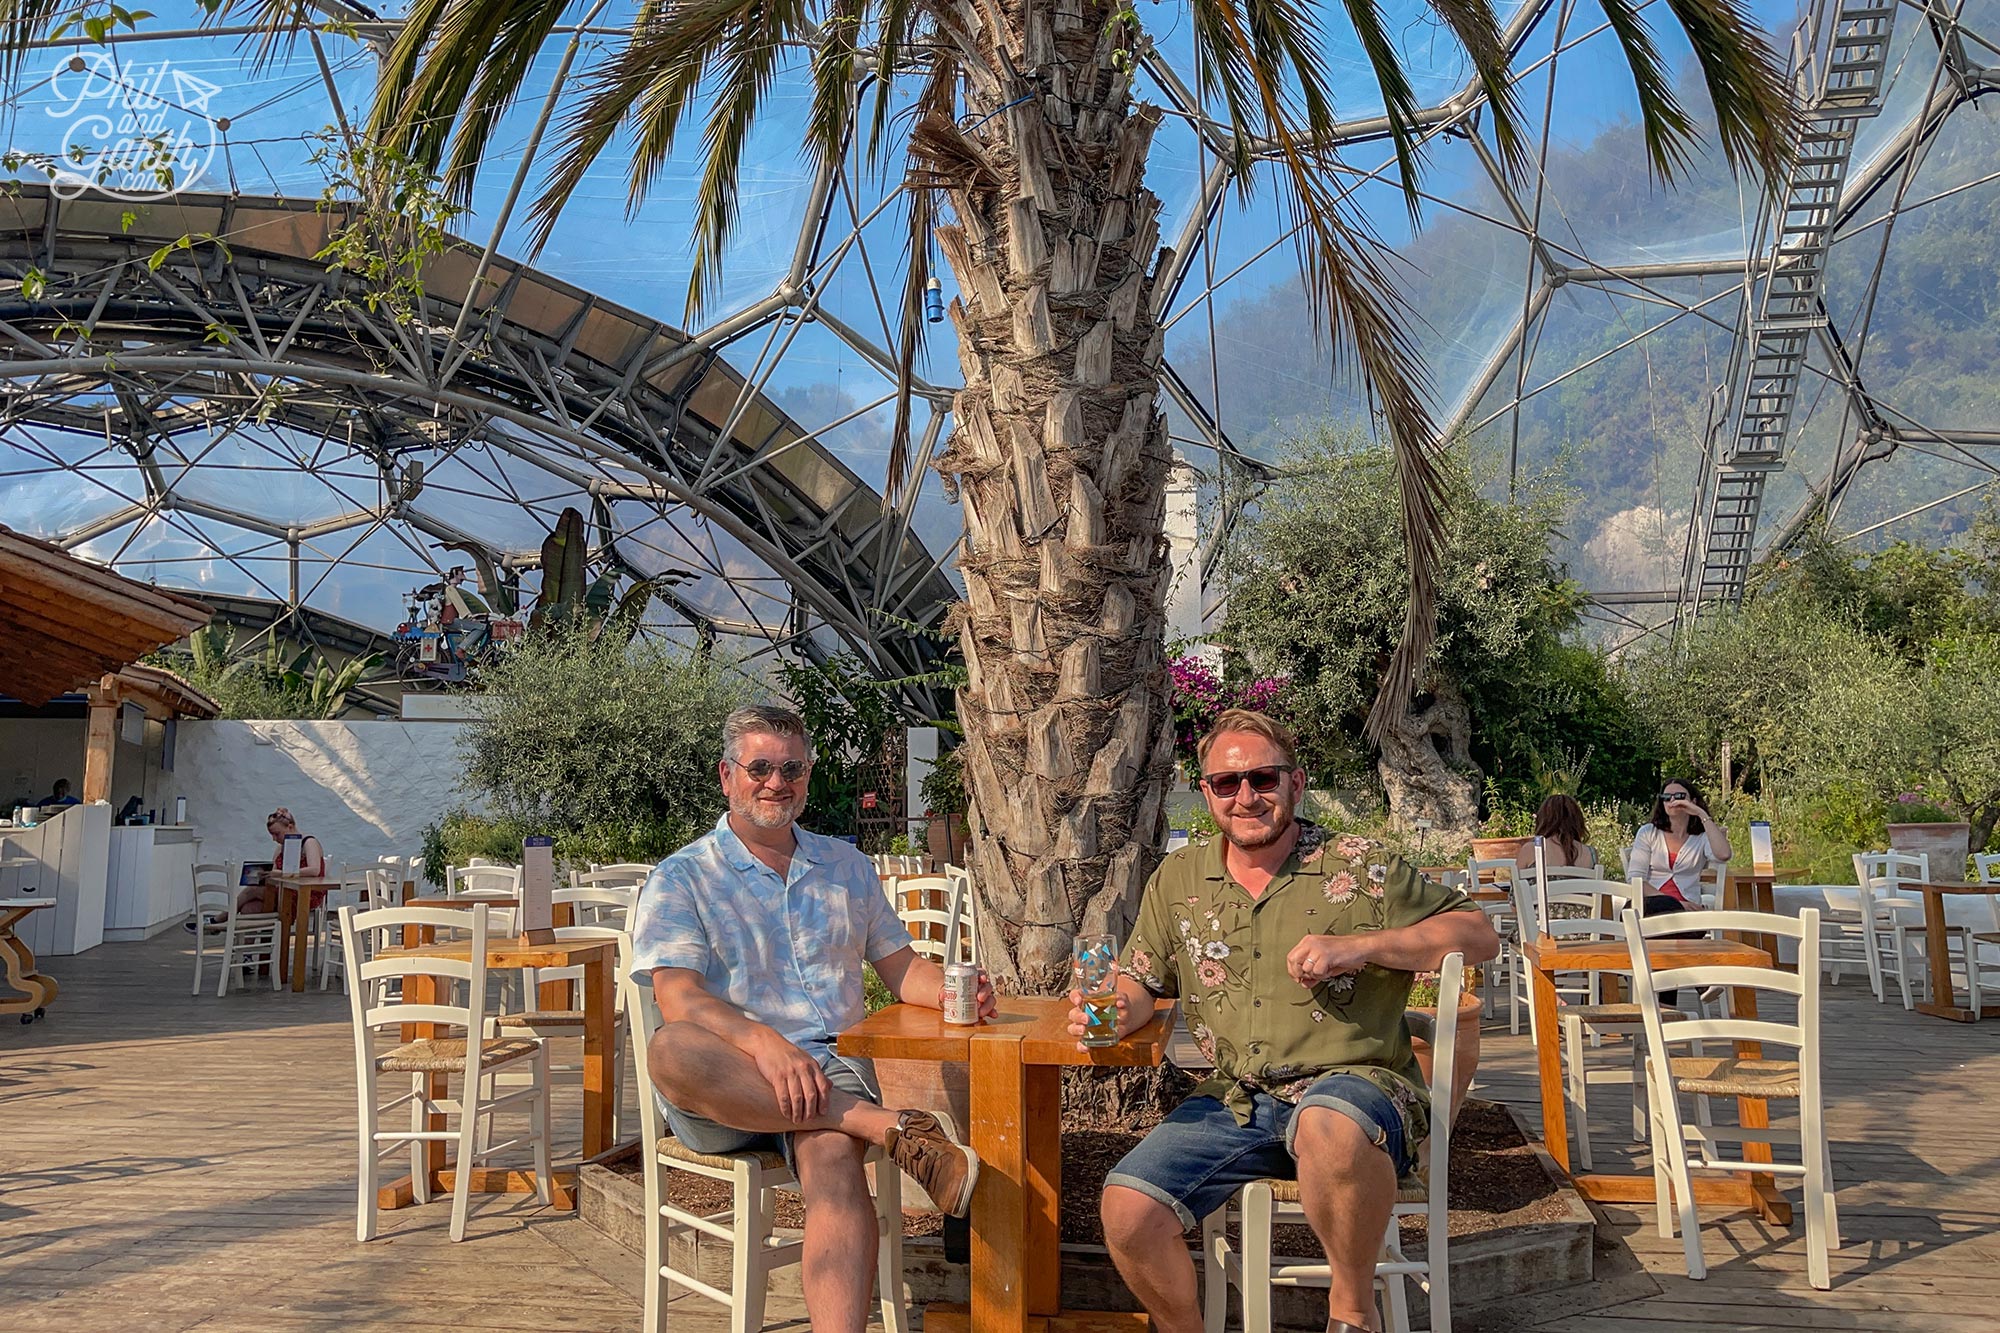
(1350, 297)
(1478, 31)
(934, 108)
(1756, 118)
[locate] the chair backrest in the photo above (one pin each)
(482, 881)
(1987, 867)
(1881, 876)
(214, 890)
(1444, 1061)
(384, 887)
(1801, 1034)
(630, 877)
(1601, 898)
(604, 907)
(1501, 870)
(621, 870)
(938, 913)
(377, 937)
(642, 1014)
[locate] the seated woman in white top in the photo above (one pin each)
(1559, 824)
(1671, 851)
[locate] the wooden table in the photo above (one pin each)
(295, 915)
(1549, 956)
(1016, 1063)
(1756, 891)
(599, 960)
(36, 991)
(1944, 1001)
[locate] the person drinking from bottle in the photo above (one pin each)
(752, 938)
(1293, 951)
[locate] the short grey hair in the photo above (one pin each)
(762, 719)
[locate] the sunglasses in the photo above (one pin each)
(1675, 796)
(1226, 785)
(760, 770)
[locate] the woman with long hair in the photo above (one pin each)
(1559, 824)
(1670, 850)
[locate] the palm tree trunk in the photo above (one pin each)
(1059, 457)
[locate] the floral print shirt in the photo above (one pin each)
(1203, 939)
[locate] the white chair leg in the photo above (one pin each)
(1437, 1259)
(364, 1203)
(1640, 1113)
(659, 1233)
(1575, 1085)
(1214, 1276)
(1256, 1233)
(1663, 1191)
(889, 1259)
(228, 956)
(1395, 1287)
(420, 1176)
(1826, 1175)
(544, 1174)
(746, 1286)
(468, 1142)
(1690, 1219)
(1871, 957)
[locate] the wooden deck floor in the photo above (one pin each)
(168, 1163)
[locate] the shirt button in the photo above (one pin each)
(1259, 1004)
(1256, 953)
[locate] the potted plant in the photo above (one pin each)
(943, 794)
(1421, 1009)
(1506, 830)
(1917, 826)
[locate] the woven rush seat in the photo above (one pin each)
(1410, 1189)
(673, 1148)
(446, 1055)
(1602, 1013)
(542, 1018)
(1731, 1076)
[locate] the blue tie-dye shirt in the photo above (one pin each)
(786, 950)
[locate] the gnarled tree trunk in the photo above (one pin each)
(1426, 764)
(1059, 457)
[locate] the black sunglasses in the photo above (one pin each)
(760, 770)
(1225, 785)
(1675, 796)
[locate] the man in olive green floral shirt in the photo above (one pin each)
(1293, 951)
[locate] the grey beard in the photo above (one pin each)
(763, 816)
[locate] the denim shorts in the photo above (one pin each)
(1198, 1157)
(854, 1077)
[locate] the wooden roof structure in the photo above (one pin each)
(66, 623)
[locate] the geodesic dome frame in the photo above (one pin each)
(691, 452)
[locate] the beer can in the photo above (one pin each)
(961, 993)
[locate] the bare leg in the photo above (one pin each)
(1347, 1187)
(838, 1268)
(251, 902)
(1149, 1245)
(700, 1072)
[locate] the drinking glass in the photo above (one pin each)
(1096, 953)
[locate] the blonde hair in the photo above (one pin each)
(1248, 721)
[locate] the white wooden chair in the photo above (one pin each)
(377, 937)
(1892, 920)
(1505, 970)
(237, 941)
(369, 889)
(1843, 933)
(1982, 919)
(747, 1226)
(486, 881)
(1767, 1075)
(938, 911)
(616, 872)
(1581, 1009)
(1251, 1267)
(545, 1025)
(887, 863)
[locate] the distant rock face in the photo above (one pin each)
(364, 789)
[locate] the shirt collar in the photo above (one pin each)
(806, 852)
(1213, 868)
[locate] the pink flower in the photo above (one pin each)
(1211, 973)
(1142, 961)
(1352, 845)
(1340, 888)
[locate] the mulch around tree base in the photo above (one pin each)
(1496, 1180)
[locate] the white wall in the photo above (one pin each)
(363, 788)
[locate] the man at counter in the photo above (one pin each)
(59, 795)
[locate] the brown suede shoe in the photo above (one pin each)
(926, 1150)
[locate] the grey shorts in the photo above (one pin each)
(851, 1076)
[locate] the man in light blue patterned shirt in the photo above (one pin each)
(752, 938)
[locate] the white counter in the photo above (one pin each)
(66, 865)
(151, 879)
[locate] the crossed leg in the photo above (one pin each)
(701, 1073)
